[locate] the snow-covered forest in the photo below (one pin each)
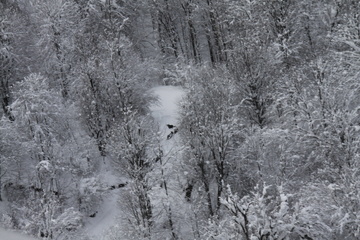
(180, 119)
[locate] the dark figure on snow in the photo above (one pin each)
(172, 132)
(170, 126)
(188, 191)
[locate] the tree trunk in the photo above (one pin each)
(206, 187)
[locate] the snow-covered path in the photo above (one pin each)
(169, 203)
(166, 112)
(9, 235)
(106, 215)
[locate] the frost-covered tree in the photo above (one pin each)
(9, 31)
(6, 62)
(46, 215)
(264, 214)
(56, 23)
(131, 143)
(109, 81)
(41, 175)
(210, 127)
(272, 101)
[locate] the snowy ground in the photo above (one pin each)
(106, 215)
(9, 235)
(166, 112)
(173, 172)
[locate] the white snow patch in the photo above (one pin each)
(106, 214)
(166, 112)
(105, 217)
(10, 235)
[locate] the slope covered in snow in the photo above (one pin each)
(170, 202)
(105, 217)
(9, 235)
(165, 112)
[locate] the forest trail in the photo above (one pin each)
(9, 235)
(106, 215)
(169, 200)
(165, 112)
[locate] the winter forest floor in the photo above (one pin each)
(179, 120)
(9, 235)
(164, 112)
(107, 214)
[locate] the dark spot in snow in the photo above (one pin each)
(121, 185)
(188, 191)
(170, 126)
(93, 215)
(172, 133)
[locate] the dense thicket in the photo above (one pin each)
(269, 127)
